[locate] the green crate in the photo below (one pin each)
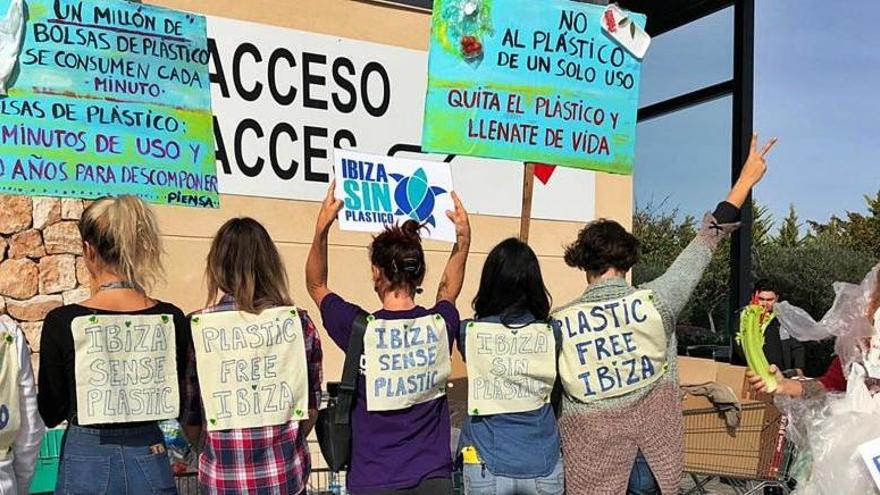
(46, 474)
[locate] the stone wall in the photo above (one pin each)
(41, 264)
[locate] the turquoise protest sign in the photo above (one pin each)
(109, 98)
(532, 81)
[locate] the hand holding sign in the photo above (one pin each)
(330, 208)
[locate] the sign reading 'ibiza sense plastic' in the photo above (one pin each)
(378, 190)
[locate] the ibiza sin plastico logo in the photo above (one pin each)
(373, 194)
(416, 197)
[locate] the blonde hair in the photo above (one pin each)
(244, 263)
(124, 233)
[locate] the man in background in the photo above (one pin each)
(787, 353)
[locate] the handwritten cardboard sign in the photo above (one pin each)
(407, 362)
(126, 368)
(379, 190)
(531, 81)
(10, 420)
(252, 368)
(111, 97)
(509, 370)
(611, 348)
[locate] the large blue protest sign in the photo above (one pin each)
(532, 81)
(110, 97)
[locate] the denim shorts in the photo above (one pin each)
(125, 461)
(479, 481)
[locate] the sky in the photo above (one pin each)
(817, 74)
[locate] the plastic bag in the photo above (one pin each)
(828, 432)
(847, 320)
(11, 28)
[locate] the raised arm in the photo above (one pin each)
(316, 265)
(453, 275)
(677, 284)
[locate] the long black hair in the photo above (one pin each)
(511, 284)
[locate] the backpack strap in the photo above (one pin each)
(348, 384)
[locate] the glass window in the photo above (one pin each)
(691, 57)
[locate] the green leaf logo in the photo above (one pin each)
(471, 325)
(213, 421)
(476, 411)
(253, 387)
(370, 317)
(298, 412)
(164, 318)
(195, 320)
(128, 324)
(9, 338)
(93, 319)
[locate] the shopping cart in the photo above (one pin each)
(750, 458)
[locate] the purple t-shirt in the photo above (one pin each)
(394, 450)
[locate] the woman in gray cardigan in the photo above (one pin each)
(621, 422)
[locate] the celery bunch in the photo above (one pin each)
(753, 320)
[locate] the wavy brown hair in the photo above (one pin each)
(244, 263)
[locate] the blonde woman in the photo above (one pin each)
(104, 452)
(245, 273)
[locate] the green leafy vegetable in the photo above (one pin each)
(752, 323)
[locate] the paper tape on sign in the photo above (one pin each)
(346, 94)
(377, 191)
(407, 362)
(111, 97)
(125, 368)
(252, 368)
(531, 81)
(611, 348)
(510, 370)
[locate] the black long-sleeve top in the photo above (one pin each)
(56, 397)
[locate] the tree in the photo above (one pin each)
(762, 225)
(856, 232)
(790, 233)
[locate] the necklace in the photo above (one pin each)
(118, 284)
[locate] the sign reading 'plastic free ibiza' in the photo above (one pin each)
(109, 97)
(532, 81)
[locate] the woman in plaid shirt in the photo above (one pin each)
(245, 273)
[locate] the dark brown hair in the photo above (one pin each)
(244, 263)
(398, 254)
(602, 245)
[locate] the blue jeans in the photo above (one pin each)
(479, 481)
(641, 479)
(126, 461)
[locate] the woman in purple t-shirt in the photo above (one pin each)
(402, 450)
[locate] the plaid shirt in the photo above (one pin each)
(267, 460)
